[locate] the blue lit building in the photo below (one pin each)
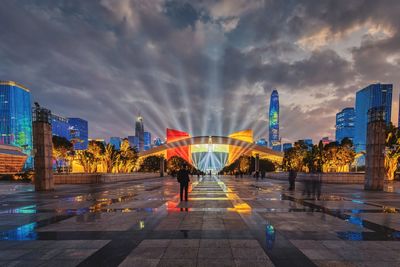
(262, 142)
(79, 133)
(345, 124)
(116, 142)
(147, 140)
(274, 140)
(157, 141)
(139, 132)
(60, 126)
(134, 141)
(286, 146)
(16, 118)
(374, 95)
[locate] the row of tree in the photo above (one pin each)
(334, 156)
(246, 165)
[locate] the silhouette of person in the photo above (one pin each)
(292, 179)
(183, 179)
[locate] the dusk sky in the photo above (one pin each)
(206, 67)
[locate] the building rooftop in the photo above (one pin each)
(12, 83)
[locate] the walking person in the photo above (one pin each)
(183, 180)
(292, 179)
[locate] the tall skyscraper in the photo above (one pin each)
(147, 140)
(374, 95)
(60, 126)
(116, 142)
(139, 132)
(274, 141)
(16, 118)
(345, 124)
(79, 133)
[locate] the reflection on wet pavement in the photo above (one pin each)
(227, 222)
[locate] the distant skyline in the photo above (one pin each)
(203, 67)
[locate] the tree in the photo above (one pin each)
(62, 148)
(109, 158)
(126, 158)
(244, 164)
(174, 164)
(293, 158)
(266, 165)
(392, 151)
(86, 160)
(151, 164)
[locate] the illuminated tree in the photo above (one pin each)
(174, 164)
(293, 158)
(109, 158)
(62, 148)
(244, 164)
(126, 158)
(86, 160)
(392, 151)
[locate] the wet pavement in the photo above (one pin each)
(226, 222)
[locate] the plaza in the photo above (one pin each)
(226, 222)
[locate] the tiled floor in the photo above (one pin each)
(226, 222)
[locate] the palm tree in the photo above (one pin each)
(109, 158)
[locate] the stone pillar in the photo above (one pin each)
(162, 167)
(375, 157)
(42, 145)
(257, 163)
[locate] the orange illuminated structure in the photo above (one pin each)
(180, 151)
(222, 150)
(12, 159)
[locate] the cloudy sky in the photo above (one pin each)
(207, 67)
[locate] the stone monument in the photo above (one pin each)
(42, 145)
(375, 154)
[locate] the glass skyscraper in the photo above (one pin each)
(345, 124)
(116, 142)
(274, 141)
(16, 118)
(134, 141)
(374, 95)
(60, 126)
(139, 132)
(79, 133)
(147, 140)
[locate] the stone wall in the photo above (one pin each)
(329, 178)
(98, 178)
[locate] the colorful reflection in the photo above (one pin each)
(25, 232)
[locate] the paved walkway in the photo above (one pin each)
(226, 222)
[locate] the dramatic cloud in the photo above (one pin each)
(207, 67)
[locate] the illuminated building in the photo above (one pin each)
(60, 126)
(116, 142)
(157, 141)
(345, 124)
(79, 133)
(262, 142)
(274, 140)
(211, 153)
(12, 159)
(139, 132)
(16, 118)
(374, 95)
(326, 141)
(147, 140)
(133, 141)
(286, 146)
(184, 151)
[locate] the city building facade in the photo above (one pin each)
(116, 142)
(16, 118)
(60, 126)
(345, 124)
(134, 141)
(79, 133)
(139, 132)
(147, 140)
(262, 142)
(374, 95)
(286, 146)
(274, 140)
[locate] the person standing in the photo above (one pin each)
(183, 179)
(292, 179)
